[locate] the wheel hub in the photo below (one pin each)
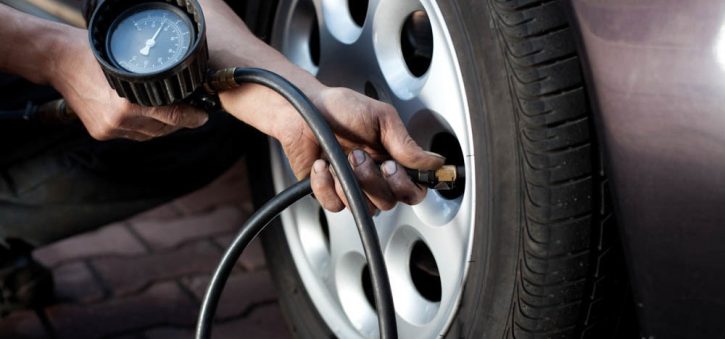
(398, 51)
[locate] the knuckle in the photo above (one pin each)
(384, 112)
(125, 106)
(387, 110)
(408, 141)
(174, 114)
(100, 134)
(386, 205)
(115, 120)
(366, 172)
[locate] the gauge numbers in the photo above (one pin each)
(150, 38)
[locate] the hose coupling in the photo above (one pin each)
(56, 111)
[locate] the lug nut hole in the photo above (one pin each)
(416, 41)
(370, 91)
(358, 11)
(324, 227)
(424, 272)
(315, 42)
(448, 146)
(367, 285)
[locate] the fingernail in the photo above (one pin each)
(390, 167)
(358, 157)
(436, 155)
(319, 166)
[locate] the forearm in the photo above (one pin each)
(29, 45)
(231, 44)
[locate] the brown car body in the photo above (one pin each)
(656, 74)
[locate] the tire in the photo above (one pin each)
(543, 261)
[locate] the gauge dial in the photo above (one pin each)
(150, 38)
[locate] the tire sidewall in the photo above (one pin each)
(488, 294)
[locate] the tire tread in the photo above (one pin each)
(562, 271)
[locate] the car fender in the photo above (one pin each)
(656, 74)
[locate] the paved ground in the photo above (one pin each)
(143, 278)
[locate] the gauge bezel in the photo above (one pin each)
(144, 7)
(160, 88)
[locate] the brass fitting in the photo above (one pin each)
(220, 80)
(443, 179)
(56, 111)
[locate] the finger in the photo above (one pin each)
(183, 116)
(404, 189)
(371, 180)
(150, 127)
(323, 185)
(396, 140)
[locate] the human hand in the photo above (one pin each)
(78, 77)
(360, 123)
(369, 131)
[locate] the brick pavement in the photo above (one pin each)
(143, 278)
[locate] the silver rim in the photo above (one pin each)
(330, 260)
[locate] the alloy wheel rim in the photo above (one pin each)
(366, 52)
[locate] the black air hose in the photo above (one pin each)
(232, 77)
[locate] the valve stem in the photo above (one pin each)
(443, 179)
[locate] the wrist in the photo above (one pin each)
(257, 54)
(264, 109)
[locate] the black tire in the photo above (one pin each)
(543, 239)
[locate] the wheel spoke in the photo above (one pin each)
(337, 21)
(386, 27)
(448, 245)
(344, 237)
(348, 262)
(448, 101)
(310, 232)
(446, 104)
(431, 103)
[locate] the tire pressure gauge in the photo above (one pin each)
(153, 52)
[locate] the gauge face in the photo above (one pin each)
(150, 38)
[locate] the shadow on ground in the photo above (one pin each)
(143, 278)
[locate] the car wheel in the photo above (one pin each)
(523, 249)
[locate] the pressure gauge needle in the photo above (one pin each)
(150, 42)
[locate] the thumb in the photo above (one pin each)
(404, 149)
(180, 116)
